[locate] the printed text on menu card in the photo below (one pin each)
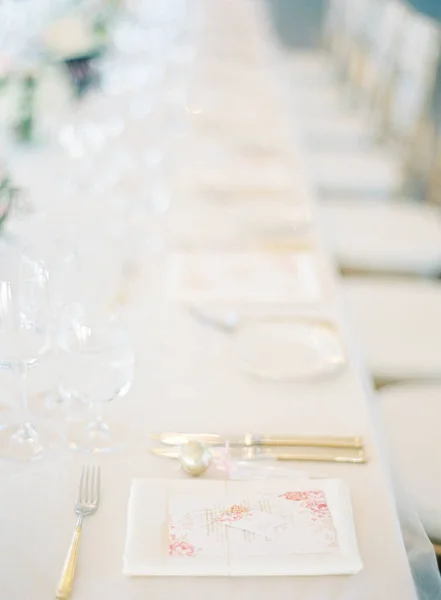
(227, 527)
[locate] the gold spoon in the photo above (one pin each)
(195, 458)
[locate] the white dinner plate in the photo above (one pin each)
(286, 348)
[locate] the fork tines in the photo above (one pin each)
(89, 488)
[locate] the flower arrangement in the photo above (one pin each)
(7, 195)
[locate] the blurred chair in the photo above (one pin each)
(396, 237)
(317, 67)
(298, 23)
(398, 323)
(397, 107)
(434, 160)
(334, 93)
(411, 414)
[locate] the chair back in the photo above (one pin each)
(362, 36)
(413, 75)
(380, 46)
(409, 118)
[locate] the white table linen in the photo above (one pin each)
(186, 380)
(411, 413)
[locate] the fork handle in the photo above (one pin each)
(68, 574)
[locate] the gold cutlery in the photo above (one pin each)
(344, 455)
(87, 504)
(250, 440)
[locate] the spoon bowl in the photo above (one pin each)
(195, 458)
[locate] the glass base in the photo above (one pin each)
(95, 436)
(25, 443)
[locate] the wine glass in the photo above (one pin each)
(99, 368)
(57, 255)
(23, 341)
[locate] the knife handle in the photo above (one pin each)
(309, 441)
(249, 440)
(359, 458)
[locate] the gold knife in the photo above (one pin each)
(256, 454)
(250, 440)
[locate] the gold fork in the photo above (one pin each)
(87, 503)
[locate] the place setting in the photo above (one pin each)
(237, 519)
(264, 526)
(265, 304)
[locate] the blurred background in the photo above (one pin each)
(98, 101)
(300, 24)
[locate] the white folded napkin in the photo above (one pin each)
(240, 129)
(227, 178)
(240, 528)
(213, 220)
(244, 277)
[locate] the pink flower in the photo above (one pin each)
(180, 546)
(313, 500)
(234, 513)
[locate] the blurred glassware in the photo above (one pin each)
(57, 255)
(100, 368)
(19, 21)
(81, 242)
(89, 125)
(24, 339)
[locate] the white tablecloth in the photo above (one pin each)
(186, 380)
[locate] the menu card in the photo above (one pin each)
(230, 526)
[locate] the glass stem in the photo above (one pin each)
(56, 398)
(26, 428)
(97, 412)
(24, 392)
(97, 425)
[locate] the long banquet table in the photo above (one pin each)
(185, 380)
